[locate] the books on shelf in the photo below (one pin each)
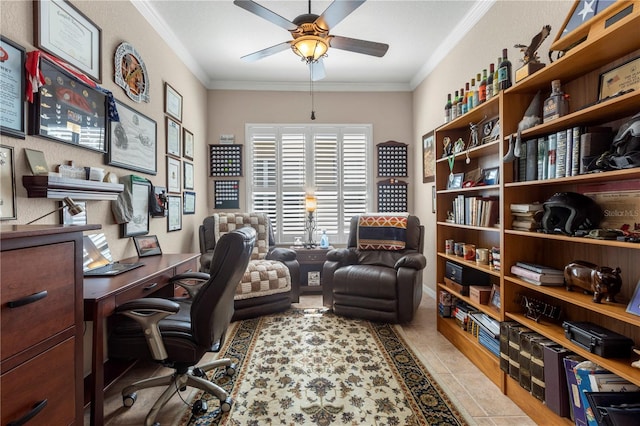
(538, 278)
(555, 155)
(476, 210)
(526, 207)
(541, 269)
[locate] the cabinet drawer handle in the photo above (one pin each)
(37, 407)
(149, 287)
(27, 300)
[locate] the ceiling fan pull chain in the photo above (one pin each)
(313, 113)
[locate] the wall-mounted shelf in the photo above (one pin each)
(59, 187)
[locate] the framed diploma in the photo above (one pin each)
(174, 216)
(67, 110)
(12, 86)
(619, 80)
(63, 31)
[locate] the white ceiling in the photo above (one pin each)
(210, 36)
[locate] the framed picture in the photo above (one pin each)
(37, 162)
(494, 297)
(68, 219)
(147, 245)
(160, 194)
(624, 78)
(455, 181)
(188, 144)
(65, 32)
(173, 137)
(172, 102)
(133, 141)
(491, 176)
(490, 131)
(12, 83)
(428, 158)
(65, 109)
(188, 175)
(189, 202)
(7, 183)
(634, 304)
(139, 224)
(174, 216)
(131, 73)
(173, 175)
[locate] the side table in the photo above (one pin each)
(311, 261)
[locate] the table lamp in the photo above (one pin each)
(74, 209)
(310, 203)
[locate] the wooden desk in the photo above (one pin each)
(103, 294)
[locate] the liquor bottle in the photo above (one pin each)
(324, 239)
(461, 103)
(470, 92)
(496, 87)
(556, 105)
(476, 92)
(454, 106)
(447, 109)
(465, 99)
(482, 89)
(490, 82)
(504, 72)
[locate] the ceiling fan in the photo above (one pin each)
(311, 38)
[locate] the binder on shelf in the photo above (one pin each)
(577, 407)
(531, 168)
(556, 390)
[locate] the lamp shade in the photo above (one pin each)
(310, 48)
(310, 203)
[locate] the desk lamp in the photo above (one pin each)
(310, 203)
(74, 209)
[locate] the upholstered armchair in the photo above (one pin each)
(272, 279)
(377, 276)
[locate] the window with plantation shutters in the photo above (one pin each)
(286, 162)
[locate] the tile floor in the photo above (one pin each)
(481, 399)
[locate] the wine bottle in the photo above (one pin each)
(465, 100)
(470, 93)
(504, 72)
(461, 103)
(454, 106)
(490, 82)
(476, 92)
(447, 109)
(496, 87)
(482, 89)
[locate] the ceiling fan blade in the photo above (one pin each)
(317, 70)
(266, 52)
(336, 12)
(265, 13)
(359, 46)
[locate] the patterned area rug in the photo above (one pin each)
(310, 367)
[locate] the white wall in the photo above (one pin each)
(507, 23)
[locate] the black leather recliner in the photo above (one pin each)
(178, 333)
(378, 285)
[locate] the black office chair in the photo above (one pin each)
(177, 333)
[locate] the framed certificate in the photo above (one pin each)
(174, 216)
(619, 80)
(132, 141)
(12, 86)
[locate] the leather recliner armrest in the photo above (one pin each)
(343, 256)
(281, 254)
(415, 261)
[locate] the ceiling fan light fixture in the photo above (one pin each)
(310, 48)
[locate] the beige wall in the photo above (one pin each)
(120, 22)
(507, 23)
(388, 112)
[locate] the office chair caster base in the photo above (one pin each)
(129, 400)
(230, 371)
(225, 405)
(199, 408)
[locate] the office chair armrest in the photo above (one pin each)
(281, 254)
(190, 281)
(148, 312)
(412, 260)
(343, 256)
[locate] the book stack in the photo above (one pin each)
(526, 217)
(551, 156)
(494, 258)
(461, 313)
(538, 274)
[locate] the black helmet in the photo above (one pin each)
(625, 149)
(568, 212)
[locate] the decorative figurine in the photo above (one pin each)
(601, 280)
(531, 59)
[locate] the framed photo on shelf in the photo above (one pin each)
(625, 77)
(188, 174)
(139, 224)
(12, 80)
(174, 216)
(133, 141)
(494, 297)
(455, 181)
(172, 102)
(189, 202)
(187, 144)
(68, 219)
(491, 176)
(173, 175)
(7, 183)
(147, 245)
(173, 137)
(634, 304)
(67, 110)
(65, 32)
(428, 158)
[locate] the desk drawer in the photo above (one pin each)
(49, 376)
(189, 266)
(34, 319)
(144, 288)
